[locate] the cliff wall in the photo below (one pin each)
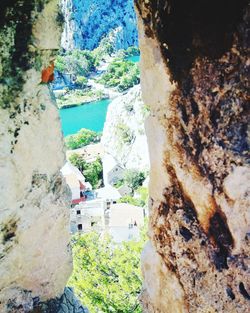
(88, 21)
(124, 135)
(194, 79)
(35, 257)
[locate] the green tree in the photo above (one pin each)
(134, 179)
(124, 133)
(122, 74)
(140, 199)
(107, 276)
(78, 161)
(143, 194)
(91, 171)
(77, 62)
(81, 81)
(83, 138)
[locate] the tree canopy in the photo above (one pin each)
(107, 276)
(82, 138)
(91, 171)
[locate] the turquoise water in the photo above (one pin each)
(135, 58)
(91, 116)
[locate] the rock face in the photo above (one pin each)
(66, 303)
(88, 21)
(194, 78)
(124, 137)
(35, 257)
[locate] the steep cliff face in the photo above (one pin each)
(87, 22)
(124, 135)
(35, 258)
(194, 78)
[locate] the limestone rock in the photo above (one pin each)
(66, 303)
(88, 21)
(124, 135)
(35, 257)
(194, 79)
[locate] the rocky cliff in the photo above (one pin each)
(124, 135)
(88, 21)
(194, 78)
(35, 257)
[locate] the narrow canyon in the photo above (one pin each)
(194, 79)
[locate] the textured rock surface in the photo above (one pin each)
(66, 303)
(88, 21)
(35, 257)
(194, 78)
(124, 135)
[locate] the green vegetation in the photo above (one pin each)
(131, 200)
(81, 81)
(140, 199)
(78, 97)
(132, 51)
(77, 62)
(124, 133)
(119, 183)
(134, 179)
(104, 49)
(81, 62)
(91, 171)
(106, 276)
(143, 195)
(83, 138)
(122, 74)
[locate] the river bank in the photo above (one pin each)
(95, 88)
(91, 116)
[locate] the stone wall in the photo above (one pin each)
(194, 78)
(35, 257)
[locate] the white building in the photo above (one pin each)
(88, 216)
(112, 170)
(109, 193)
(76, 182)
(125, 221)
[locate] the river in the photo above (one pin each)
(91, 116)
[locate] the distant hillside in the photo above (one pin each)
(124, 135)
(88, 21)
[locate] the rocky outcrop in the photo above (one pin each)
(194, 78)
(35, 256)
(87, 22)
(66, 303)
(124, 137)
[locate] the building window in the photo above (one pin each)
(93, 224)
(78, 212)
(79, 226)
